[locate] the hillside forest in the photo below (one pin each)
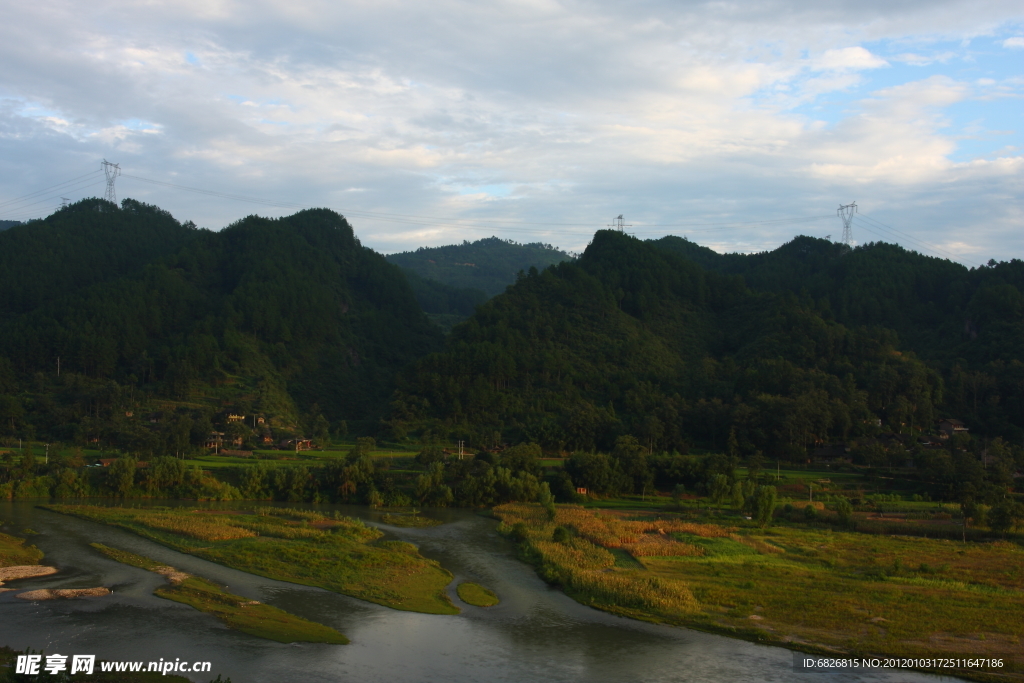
(643, 363)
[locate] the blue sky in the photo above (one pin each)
(739, 125)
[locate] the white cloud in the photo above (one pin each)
(849, 59)
(1015, 42)
(563, 111)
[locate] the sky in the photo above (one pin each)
(737, 125)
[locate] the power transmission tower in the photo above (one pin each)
(64, 201)
(846, 212)
(619, 223)
(111, 171)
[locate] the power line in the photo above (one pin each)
(47, 189)
(20, 211)
(925, 245)
(112, 171)
(462, 223)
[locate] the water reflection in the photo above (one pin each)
(535, 634)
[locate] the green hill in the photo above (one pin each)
(634, 340)
(287, 318)
(967, 324)
(488, 265)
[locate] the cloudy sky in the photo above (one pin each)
(736, 124)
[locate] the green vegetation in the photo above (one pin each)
(14, 552)
(336, 553)
(125, 557)
(247, 616)
(409, 520)
(164, 330)
(802, 587)
(476, 595)
(488, 265)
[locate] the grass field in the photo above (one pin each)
(14, 552)
(807, 588)
(236, 611)
(476, 595)
(336, 553)
(409, 520)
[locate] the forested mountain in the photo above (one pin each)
(639, 339)
(488, 265)
(966, 324)
(289, 318)
(446, 306)
(122, 327)
(4, 225)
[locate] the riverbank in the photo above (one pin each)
(237, 612)
(14, 552)
(337, 553)
(808, 589)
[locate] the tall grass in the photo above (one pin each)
(584, 563)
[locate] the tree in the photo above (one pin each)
(738, 499)
(764, 504)
(844, 509)
(523, 457)
(718, 489)
(547, 501)
(321, 431)
(1005, 515)
(121, 476)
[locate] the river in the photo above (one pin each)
(535, 634)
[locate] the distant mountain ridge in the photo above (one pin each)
(4, 225)
(488, 265)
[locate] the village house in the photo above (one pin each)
(949, 427)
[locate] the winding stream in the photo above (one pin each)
(535, 634)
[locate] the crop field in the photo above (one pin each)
(809, 588)
(337, 553)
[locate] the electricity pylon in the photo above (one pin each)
(846, 212)
(111, 171)
(619, 223)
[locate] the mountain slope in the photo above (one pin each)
(632, 339)
(270, 316)
(967, 324)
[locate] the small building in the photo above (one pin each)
(235, 418)
(949, 427)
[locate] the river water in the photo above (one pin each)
(535, 634)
